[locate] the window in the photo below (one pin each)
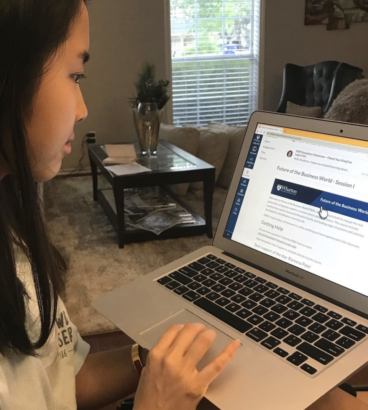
(215, 59)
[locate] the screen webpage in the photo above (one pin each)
(303, 199)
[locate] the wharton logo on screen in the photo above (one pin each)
(285, 189)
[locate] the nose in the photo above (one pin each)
(82, 111)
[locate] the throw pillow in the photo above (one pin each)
(185, 138)
(301, 110)
(236, 137)
(213, 147)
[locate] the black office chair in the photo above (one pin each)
(316, 85)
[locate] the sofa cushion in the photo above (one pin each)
(295, 109)
(212, 148)
(236, 137)
(185, 138)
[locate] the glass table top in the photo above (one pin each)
(165, 160)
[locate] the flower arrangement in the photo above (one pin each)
(148, 90)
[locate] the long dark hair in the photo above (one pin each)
(31, 32)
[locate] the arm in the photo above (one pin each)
(106, 377)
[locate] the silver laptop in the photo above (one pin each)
(287, 272)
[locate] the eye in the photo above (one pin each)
(77, 77)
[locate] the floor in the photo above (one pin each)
(108, 341)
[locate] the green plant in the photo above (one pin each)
(148, 90)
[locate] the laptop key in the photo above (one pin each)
(281, 352)
(349, 322)
(291, 314)
(279, 308)
(212, 296)
(255, 320)
(236, 286)
(207, 271)
(304, 321)
(216, 276)
(308, 302)
(218, 288)
(267, 326)
(317, 328)
(292, 340)
(362, 328)
(270, 343)
(191, 296)
(297, 358)
(222, 301)
(261, 288)
(228, 293)
(200, 278)
(196, 266)
(256, 297)
(283, 291)
(309, 369)
(213, 265)
(295, 296)
(250, 283)
(238, 298)
(331, 335)
(345, 342)
(309, 337)
(296, 330)
(226, 281)
(271, 285)
(334, 324)
(240, 278)
(329, 347)
(221, 269)
(295, 305)
(334, 315)
(172, 285)
(230, 274)
(233, 307)
(212, 257)
(350, 332)
(315, 353)
(260, 280)
(320, 318)
(321, 308)
(223, 315)
(271, 316)
(208, 283)
(164, 280)
(180, 290)
(180, 278)
(283, 299)
(187, 271)
(250, 275)
(243, 313)
(256, 334)
(245, 291)
(229, 265)
(218, 260)
(260, 310)
(204, 260)
(239, 270)
(279, 333)
(307, 311)
(194, 285)
(272, 294)
(203, 291)
(249, 304)
(284, 323)
(267, 302)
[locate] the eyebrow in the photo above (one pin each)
(84, 56)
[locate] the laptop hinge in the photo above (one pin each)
(297, 285)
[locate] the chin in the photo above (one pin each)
(45, 175)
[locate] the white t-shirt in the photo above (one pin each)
(46, 382)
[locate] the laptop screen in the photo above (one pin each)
(303, 199)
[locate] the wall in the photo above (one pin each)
(287, 40)
(124, 34)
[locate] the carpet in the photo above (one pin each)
(81, 231)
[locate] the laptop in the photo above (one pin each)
(286, 273)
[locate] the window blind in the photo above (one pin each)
(215, 60)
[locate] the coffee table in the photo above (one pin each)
(172, 166)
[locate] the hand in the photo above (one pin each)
(170, 379)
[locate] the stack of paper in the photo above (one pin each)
(127, 169)
(120, 154)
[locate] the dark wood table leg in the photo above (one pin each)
(208, 188)
(119, 203)
(94, 178)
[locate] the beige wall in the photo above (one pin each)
(124, 34)
(287, 40)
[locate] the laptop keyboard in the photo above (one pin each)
(307, 335)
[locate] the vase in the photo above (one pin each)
(147, 120)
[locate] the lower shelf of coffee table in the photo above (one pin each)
(106, 199)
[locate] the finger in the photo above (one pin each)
(213, 369)
(168, 337)
(186, 337)
(200, 346)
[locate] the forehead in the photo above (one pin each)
(78, 40)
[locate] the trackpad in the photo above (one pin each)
(153, 334)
